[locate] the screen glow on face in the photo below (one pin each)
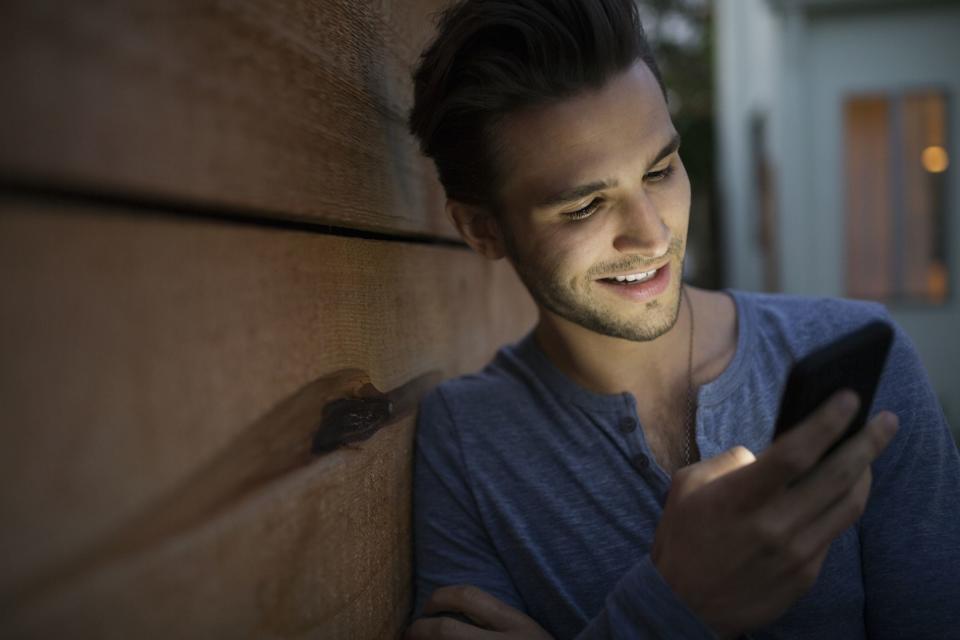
(596, 190)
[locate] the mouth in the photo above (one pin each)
(632, 278)
(639, 285)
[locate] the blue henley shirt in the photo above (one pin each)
(546, 495)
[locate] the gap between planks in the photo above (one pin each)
(165, 206)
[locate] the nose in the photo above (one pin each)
(642, 230)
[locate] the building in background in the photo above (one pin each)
(837, 159)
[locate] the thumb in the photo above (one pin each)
(689, 479)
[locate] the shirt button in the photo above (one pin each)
(640, 462)
(627, 424)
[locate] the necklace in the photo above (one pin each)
(689, 424)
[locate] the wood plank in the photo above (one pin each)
(140, 350)
(293, 109)
(324, 553)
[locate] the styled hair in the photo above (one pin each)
(492, 57)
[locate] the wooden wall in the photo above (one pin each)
(225, 281)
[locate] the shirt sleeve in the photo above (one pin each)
(643, 606)
(910, 531)
(451, 546)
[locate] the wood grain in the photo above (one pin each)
(322, 553)
(140, 350)
(293, 109)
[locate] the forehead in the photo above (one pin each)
(595, 135)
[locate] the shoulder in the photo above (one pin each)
(811, 313)
(799, 324)
(486, 397)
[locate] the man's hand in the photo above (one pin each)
(492, 619)
(741, 539)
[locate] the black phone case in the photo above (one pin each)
(853, 361)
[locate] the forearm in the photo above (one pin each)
(643, 606)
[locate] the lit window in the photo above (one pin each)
(897, 158)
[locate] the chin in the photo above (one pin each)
(656, 317)
(596, 312)
(652, 320)
(649, 329)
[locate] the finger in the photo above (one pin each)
(797, 451)
(842, 514)
(691, 478)
(478, 605)
(834, 478)
(812, 542)
(446, 628)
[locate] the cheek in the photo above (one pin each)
(577, 254)
(559, 253)
(674, 200)
(553, 251)
(683, 189)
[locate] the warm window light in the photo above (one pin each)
(935, 159)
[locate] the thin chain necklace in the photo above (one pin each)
(689, 423)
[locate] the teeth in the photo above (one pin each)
(634, 277)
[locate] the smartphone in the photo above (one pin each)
(854, 361)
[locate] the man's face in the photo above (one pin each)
(594, 188)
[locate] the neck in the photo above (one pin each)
(609, 365)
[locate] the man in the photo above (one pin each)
(612, 473)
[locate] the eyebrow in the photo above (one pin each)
(581, 191)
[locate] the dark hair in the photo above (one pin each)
(491, 57)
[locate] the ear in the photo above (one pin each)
(479, 228)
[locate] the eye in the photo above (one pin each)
(659, 176)
(580, 214)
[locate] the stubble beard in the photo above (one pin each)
(552, 293)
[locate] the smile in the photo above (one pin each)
(639, 286)
(634, 277)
